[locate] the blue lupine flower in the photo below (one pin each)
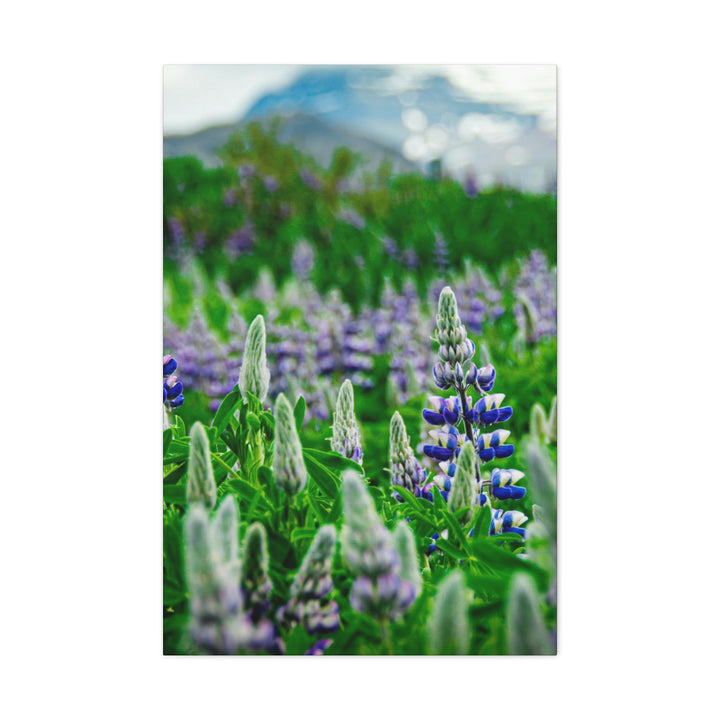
(172, 388)
(487, 410)
(491, 445)
(507, 522)
(504, 484)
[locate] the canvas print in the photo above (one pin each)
(360, 416)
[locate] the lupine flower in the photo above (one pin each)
(172, 388)
(507, 522)
(319, 647)
(369, 552)
(303, 260)
(351, 217)
(311, 180)
(218, 623)
(503, 483)
(241, 241)
(448, 627)
(526, 633)
(405, 470)
(536, 306)
(271, 183)
(346, 434)
(200, 477)
(455, 347)
(310, 602)
(463, 489)
(458, 422)
(254, 580)
(406, 547)
(441, 256)
(288, 463)
(254, 373)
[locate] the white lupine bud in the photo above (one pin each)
(526, 631)
(538, 423)
(464, 487)
(200, 479)
(451, 333)
(541, 472)
(346, 433)
(406, 547)
(224, 537)
(254, 577)
(288, 463)
(552, 422)
(254, 373)
(448, 628)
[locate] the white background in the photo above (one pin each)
(80, 285)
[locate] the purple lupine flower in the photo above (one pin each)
(351, 217)
(271, 183)
(241, 241)
(536, 306)
(311, 180)
(441, 255)
(310, 603)
(230, 198)
(319, 647)
(380, 587)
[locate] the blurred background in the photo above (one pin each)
(483, 124)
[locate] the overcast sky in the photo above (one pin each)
(198, 96)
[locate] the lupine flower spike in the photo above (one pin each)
(526, 633)
(459, 422)
(218, 624)
(346, 434)
(405, 470)
(310, 602)
(255, 582)
(552, 422)
(407, 551)
(370, 553)
(201, 480)
(288, 463)
(254, 373)
(448, 626)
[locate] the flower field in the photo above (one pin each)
(360, 414)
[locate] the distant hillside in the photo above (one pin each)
(410, 119)
(309, 134)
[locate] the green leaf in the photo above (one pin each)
(333, 460)
(450, 549)
(299, 411)
(227, 408)
(326, 480)
(253, 421)
(175, 495)
(167, 437)
(174, 475)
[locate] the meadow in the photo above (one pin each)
(360, 415)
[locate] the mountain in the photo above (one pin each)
(411, 116)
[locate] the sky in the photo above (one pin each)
(199, 96)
